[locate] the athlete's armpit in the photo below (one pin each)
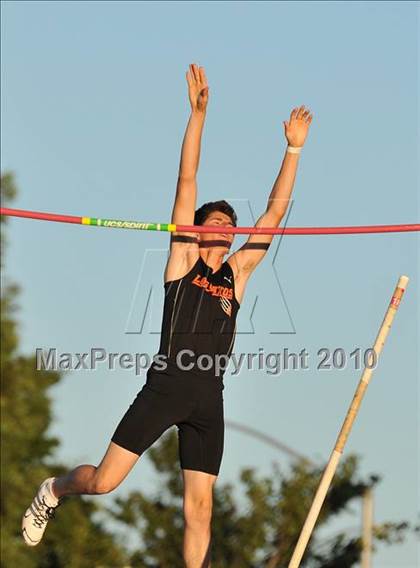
(184, 253)
(245, 259)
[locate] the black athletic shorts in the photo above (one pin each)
(194, 405)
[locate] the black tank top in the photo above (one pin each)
(199, 319)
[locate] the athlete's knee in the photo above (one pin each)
(198, 510)
(100, 485)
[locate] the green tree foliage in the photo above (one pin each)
(27, 458)
(259, 533)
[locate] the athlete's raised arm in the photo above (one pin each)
(244, 261)
(183, 253)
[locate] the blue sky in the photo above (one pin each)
(94, 106)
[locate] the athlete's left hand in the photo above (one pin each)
(296, 129)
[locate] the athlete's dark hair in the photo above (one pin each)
(223, 206)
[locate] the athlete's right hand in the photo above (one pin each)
(198, 89)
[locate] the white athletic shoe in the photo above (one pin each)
(36, 517)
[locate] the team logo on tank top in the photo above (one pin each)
(224, 294)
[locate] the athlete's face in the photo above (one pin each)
(218, 219)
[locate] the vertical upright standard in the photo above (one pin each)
(367, 528)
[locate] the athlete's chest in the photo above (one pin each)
(216, 287)
(216, 292)
(202, 295)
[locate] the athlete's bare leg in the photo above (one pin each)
(91, 480)
(198, 501)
